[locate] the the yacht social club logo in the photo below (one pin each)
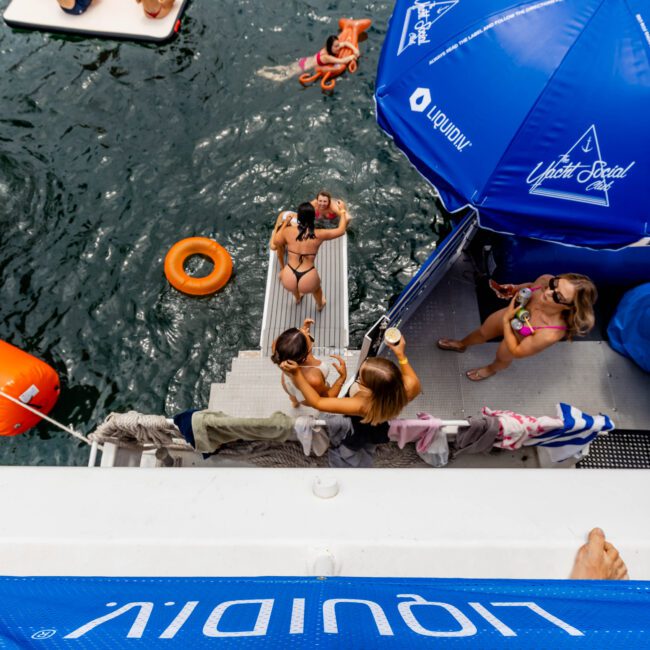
(580, 174)
(418, 20)
(420, 100)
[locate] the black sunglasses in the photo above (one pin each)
(557, 296)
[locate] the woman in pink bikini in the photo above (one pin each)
(560, 307)
(327, 55)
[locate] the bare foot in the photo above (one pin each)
(479, 374)
(451, 344)
(321, 306)
(598, 560)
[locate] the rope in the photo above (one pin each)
(139, 430)
(63, 427)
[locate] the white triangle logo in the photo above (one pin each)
(418, 21)
(580, 174)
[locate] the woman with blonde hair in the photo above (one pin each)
(381, 392)
(561, 307)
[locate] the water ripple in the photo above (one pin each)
(111, 152)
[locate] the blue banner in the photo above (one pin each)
(71, 613)
(535, 113)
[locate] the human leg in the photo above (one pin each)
(310, 283)
(290, 282)
(502, 360)
(598, 560)
(491, 328)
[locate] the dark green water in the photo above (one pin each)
(112, 151)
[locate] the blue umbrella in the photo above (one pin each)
(536, 114)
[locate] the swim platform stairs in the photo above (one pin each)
(252, 387)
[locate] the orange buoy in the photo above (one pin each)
(350, 32)
(29, 380)
(185, 248)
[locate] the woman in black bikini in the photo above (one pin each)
(302, 241)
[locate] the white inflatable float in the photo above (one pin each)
(104, 18)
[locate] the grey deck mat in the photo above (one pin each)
(585, 374)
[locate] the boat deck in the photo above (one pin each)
(585, 374)
(331, 325)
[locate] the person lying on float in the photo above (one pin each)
(75, 7)
(156, 8)
(328, 55)
(559, 307)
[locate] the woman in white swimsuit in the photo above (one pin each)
(296, 344)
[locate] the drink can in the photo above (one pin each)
(392, 335)
(523, 296)
(522, 314)
(516, 324)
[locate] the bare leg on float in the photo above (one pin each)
(598, 560)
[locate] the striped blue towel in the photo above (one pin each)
(578, 431)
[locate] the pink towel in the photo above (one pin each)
(422, 430)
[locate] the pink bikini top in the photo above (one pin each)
(318, 61)
(527, 331)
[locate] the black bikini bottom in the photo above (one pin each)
(299, 274)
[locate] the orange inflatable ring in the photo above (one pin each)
(350, 32)
(185, 248)
(29, 380)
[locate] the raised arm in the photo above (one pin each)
(333, 233)
(278, 236)
(328, 59)
(411, 380)
(342, 405)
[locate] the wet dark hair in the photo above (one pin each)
(329, 43)
(306, 220)
(291, 345)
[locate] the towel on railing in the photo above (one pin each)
(421, 431)
(515, 428)
(578, 431)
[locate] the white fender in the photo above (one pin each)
(211, 627)
(467, 628)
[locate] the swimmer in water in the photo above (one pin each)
(74, 7)
(326, 208)
(328, 55)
